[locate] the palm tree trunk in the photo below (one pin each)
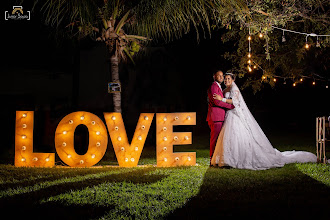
(116, 97)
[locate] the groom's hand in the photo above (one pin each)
(217, 97)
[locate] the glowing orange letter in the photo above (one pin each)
(128, 155)
(24, 156)
(166, 138)
(64, 139)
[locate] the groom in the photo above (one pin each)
(216, 110)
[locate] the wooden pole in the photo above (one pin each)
(317, 139)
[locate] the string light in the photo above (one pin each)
(261, 35)
(283, 38)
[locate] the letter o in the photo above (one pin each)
(98, 139)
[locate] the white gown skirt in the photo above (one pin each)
(242, 144)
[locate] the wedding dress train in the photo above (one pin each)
(242, 143)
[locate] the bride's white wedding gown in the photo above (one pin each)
(242, 143)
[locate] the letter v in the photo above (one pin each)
(128, 155)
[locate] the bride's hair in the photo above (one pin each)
(233, 76)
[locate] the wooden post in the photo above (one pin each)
(317, 139)
(320, 139)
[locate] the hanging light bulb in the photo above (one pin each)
(301, 79)
(317, 42)
(250, 69)
(274, 80)
(249, 38)
(306, 45)
(261, 35)
(249, 55)
(249, 61)
(283, 38)
(314, 83)
(294, 84)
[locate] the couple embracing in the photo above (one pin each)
(236, 138)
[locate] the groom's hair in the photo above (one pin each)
(215, 72)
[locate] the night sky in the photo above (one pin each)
(54, 78)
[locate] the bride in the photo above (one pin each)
(242, 143)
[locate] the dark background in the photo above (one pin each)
(55, 77)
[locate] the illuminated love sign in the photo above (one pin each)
(128, 155)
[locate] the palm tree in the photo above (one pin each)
(111, 21)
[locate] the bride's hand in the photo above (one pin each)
(217, 97)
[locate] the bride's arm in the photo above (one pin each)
(218, 97)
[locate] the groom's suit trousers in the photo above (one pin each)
(215, 127)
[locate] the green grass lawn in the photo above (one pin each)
(147, 192)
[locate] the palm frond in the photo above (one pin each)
(171, 19)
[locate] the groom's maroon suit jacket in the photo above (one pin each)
(216, 110)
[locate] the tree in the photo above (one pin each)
(112, 21)
(277, 54)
